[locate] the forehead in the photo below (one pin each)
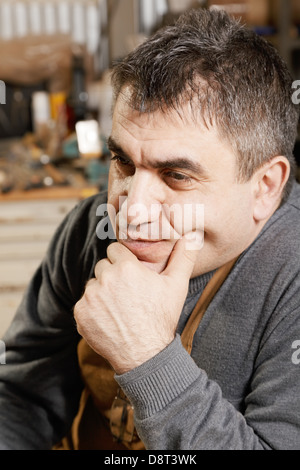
(160, 124)
(165, 136)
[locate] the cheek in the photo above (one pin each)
(112, 184)
(114, 193)
(115, 188)
(230, 222)
(185, 218)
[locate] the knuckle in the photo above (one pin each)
(99, 268)
(78, 310)
(111, 248)
(125, 267)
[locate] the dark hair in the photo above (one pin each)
(232, 77)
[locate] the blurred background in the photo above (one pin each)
(55, 107)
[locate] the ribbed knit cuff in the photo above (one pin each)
(154, 384)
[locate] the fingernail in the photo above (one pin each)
(194, 240)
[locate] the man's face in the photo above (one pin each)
(165, 170)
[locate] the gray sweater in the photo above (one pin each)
(239, 389)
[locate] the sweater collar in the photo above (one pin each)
(198, 284)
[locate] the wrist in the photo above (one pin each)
(123, 365)
(172, 369)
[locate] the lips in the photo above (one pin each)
(133, 237)
(139, 244)
(147, 250)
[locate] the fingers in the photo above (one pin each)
(117, 252)
(185, 255)
(181, 263)
(100, 267)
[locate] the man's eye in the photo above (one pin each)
(124, 165)
(120, 160)
(178, 177)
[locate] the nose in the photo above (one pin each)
(143, 199)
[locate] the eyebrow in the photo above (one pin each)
(183, 163)
(116, 148)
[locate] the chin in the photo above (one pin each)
(157, 267)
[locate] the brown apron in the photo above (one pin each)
(91, 429)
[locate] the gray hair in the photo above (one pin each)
(232, 77)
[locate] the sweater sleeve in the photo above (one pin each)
(177, 407)
(40, 383)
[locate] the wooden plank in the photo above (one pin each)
(16, 274)
(27, 232)
(30, 211)
(23, 250)
(26, 228)
(50, 194)
(9, 302)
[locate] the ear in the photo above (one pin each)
(268, 184)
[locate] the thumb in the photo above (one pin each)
(184, 255)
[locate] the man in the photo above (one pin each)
(203, 118)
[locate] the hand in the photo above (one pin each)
(128, 313)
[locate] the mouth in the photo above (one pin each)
(139, 243)
(145, 249)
